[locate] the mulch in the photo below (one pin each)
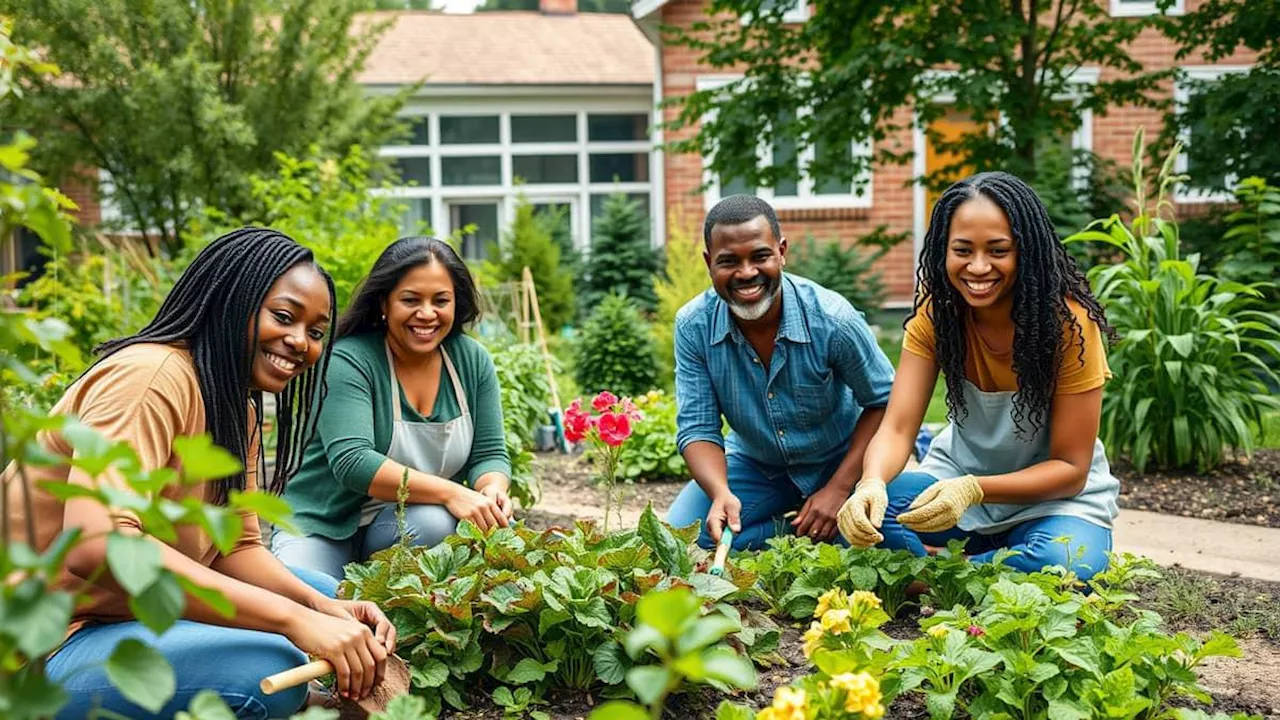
(1245, 491)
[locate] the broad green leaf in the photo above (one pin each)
(610, 663)
(32, 695)
(271, 508)
(202, 460)
(134, 561)
(429, 674)
(619, 710)
(403, 707)
(668, 611)
(711, 587)
(35, 616)
(706, 631)
(648, 682)
(527, 670)
(673, 555)
(209, 596)
(141, 674)
(730, 668)
(223, 525)
(160, 605)
(732, 711)
(642, 638)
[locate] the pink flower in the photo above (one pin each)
(631, 410)
(614, 428)
(975, 631)
(604, 401)
(575, 406)
(576, 423)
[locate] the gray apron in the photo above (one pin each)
(436, 448)
(986, 445)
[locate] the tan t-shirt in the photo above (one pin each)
(992, 371)
(145, 395)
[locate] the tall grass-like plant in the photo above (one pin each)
(1252, 242)
(1189, 373)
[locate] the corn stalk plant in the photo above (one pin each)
(1190, 365)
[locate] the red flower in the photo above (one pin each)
(614, 428)
(576, 423)
(604, 401)
(575, 406)
(975, 631)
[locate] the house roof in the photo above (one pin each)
(509, 48)
(640, 9)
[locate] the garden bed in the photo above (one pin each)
(1246, 491)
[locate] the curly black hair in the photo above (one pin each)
(1047, 277)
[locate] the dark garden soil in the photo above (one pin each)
(1190, 601)
(1245, 491)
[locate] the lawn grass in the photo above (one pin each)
(891, 344)
(1270, 435)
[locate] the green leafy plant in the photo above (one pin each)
(954, 580)
(651, 453)
(671, 629)
(615, 351)
(529, 242)
(1189, 371)
(685, 278)
(525, 609)
(1252, 242)
(849, 271)
(622, 260)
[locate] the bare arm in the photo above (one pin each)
(889, 450)
(850, 469)
(707, 465)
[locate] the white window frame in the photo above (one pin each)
(1186, 194)
(805, 197)
(1120, 8)
(797, 13)
(506, 192)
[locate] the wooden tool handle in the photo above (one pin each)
(722, 552)
(297, 676)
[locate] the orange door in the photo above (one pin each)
(950, 127)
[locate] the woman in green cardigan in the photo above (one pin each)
(407, 390)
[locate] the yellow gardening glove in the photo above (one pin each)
(940, 506)
(861, 515)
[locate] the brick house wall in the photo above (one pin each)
(893, 202)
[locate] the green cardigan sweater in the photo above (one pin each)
(354, 430)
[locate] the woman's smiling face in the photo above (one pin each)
(292, 324)
(420, 309)
(982, 258)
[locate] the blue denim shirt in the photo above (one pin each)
(797, 414)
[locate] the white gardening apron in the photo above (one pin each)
(436, 448)
(986, 445)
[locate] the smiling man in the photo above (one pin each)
(795, 371)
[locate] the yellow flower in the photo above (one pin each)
(862, 693)
(653, 395)
(824, 602)
(864, 598)
(789, 703)
(836, 622)
(812, 638)
(938, 631)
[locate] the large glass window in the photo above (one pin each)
(417, 134)
(619, 167)
(544, 128)
(483, 216)
(417, 216)
(468, 129)
(471, 170)
(545, 169)
(413, 170)
(630, 126)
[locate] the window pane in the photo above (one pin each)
(619, 167)
(468, 129)
(417, 132)
(618, 127)
(417, 216)
(415, 170)
(481, 170)
(543, 169)
(735, 186)
(597, 207)
(837, 153)
(544, 128)
(1202, 174)
(484, 216)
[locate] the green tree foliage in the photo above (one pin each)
(616, 352)
(848, 271)
(530, 242)
(181, 101)
(685, 278)
(622, 260)
(1252, 243)
(870, 60)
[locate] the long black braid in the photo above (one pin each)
(1046, 277)
(214, 308)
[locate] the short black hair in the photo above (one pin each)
(737, 209)
(364, 314)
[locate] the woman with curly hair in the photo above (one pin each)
(1002, 310)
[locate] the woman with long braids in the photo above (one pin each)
(250, 315)
(1002, 310)
(410, 397)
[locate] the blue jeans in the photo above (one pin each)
(766, 494)
(1036, 540)
(428, 525)
(228, 661)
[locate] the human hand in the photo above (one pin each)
(358, 657)
(467, 504)
(817, 517)
(501, 496)
(862, 514)
(940, 506)
(726, 508)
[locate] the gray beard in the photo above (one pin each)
(755, 310)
